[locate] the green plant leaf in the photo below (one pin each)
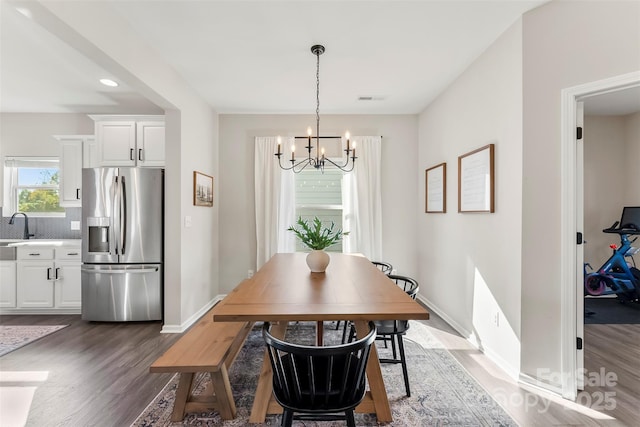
(314, 236)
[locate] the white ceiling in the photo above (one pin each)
(254, 56)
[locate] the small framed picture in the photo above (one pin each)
(202, 189)
(436, 189)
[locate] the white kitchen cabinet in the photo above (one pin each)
(7, 284)
(35, 284)
(67, 290)
(76, 152)
(150, 143)
(130, 140)
(48, 277)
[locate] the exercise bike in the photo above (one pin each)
(617, 276)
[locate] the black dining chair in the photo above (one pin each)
(318, 383)
(385, 267)
(391, 331)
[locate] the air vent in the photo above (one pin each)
(371, 98)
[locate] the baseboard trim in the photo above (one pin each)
(471, 338)
(178, 329)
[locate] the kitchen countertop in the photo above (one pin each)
(43, 242)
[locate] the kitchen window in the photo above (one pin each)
(31, 185)
(320, 194)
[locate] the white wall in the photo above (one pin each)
(237, 208)
(611, 159)
(632, 138)
(191, 254)
(565, 44)
(470, 262)
(31, 135)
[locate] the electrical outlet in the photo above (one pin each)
(75, 225)
(187, 221)
(249, 274)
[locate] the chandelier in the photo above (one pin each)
(319, 161)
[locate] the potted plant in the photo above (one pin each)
(317, 237)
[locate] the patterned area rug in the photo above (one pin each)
(442, 392)
(14, 337)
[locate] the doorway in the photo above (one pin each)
(611, 90)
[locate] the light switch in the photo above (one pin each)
(187, 221)
(75, 225)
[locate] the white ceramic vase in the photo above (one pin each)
(318, 261)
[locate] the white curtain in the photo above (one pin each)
(362, 201)
(275, 201)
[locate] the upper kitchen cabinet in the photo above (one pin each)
(76, 152)
(130, 140)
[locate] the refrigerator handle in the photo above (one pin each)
(123, 217)
(115, 215)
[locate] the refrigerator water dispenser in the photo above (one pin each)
(98, 234)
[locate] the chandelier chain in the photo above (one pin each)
(318, 93)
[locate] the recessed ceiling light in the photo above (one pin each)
(108, 82)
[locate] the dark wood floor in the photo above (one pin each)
(97, 373)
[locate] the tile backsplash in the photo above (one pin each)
(42, 227)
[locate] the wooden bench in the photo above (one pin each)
(206, 347)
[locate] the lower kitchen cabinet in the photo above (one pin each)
(35, 284)
(48, 278)
(67, 290)
(7, 284)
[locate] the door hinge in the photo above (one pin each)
(578, 238)
(579, 132)
(579, 343)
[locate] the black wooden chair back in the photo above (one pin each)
(319, 382)
(385, 267)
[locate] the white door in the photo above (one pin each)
(580, 247)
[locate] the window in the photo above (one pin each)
(31, 185)
(320, 194)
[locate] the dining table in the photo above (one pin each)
(284, 290)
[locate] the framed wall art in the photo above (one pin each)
(202, 189)
(436, 189)
(476, 180)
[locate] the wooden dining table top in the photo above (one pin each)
(284, 289)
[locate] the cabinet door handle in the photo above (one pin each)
(72, 253)
(131, 154)
(48, 273)
(34, 254)
(57, 271)
(77, 194)
(140, 154)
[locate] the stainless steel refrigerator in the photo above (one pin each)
(122, 244)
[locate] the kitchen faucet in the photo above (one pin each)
(26, 224)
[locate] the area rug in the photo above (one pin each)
(442, 392)
(602, 310)
(13, 337)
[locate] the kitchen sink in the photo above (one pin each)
(7, 253)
